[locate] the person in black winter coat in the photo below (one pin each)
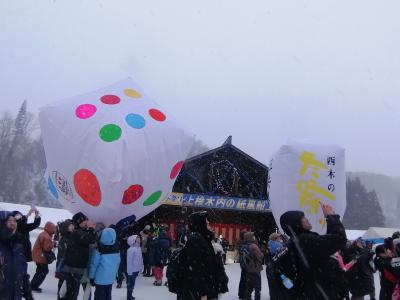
(336, 277)
(204, 276)
(77, 255)
(12, 258)
(24, 228)
(124, 229)
(386, 272)
(64, 230)
(313, 252)
(361, 275)
(161, 251)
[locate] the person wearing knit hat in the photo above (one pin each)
(77, 254)
(314, 251)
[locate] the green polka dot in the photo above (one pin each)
(153, 198)
(110, 133)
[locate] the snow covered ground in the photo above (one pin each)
(145, 290)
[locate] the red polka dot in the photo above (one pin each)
(131, 194)
(157, 115)
(87, 186)
(176, 169)
(110, 99)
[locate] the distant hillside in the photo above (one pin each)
(388, 191)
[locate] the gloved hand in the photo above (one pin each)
(92, 283)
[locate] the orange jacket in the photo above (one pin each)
(43, 243)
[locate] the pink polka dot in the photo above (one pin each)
(85, 111)
(110, 99)
(157, 115)
(176, 169)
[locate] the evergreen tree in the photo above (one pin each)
(6, 132)
(363, 208)
(17, 164)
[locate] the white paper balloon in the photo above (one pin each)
(112, 153)
(302, 175)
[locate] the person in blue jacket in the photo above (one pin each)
(104, 264)
(12, 259)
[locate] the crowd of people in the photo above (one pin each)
(302, 264)
(299, 263)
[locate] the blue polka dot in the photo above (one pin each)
(52, 188)
(135, 121)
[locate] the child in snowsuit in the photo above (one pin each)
(134, 263)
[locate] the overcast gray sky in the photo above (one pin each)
(262, 71)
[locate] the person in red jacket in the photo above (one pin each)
(43, 245)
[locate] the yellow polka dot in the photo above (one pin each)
(132, 93)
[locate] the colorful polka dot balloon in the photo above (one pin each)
(112, 153)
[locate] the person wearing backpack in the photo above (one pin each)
(40, 255)
(134, 263)
(199, 273)
(252, 262)
(104, 264)
(312, 252)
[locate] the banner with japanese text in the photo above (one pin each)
(302, 175)
(218, 202)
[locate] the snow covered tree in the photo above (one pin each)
(363, 208)
(22, 161)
